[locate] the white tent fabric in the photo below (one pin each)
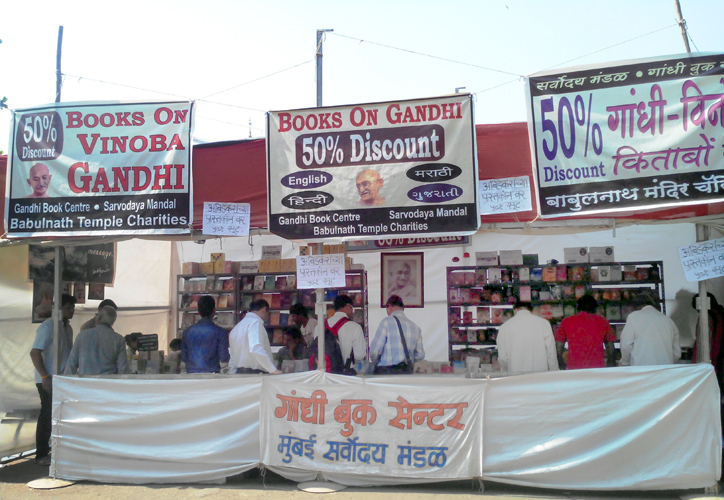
(616, 428)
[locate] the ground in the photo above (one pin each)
(252, 486)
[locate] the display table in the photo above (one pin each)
(627, 428)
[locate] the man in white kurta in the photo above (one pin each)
(649, 337)
(526, 343)
(249, 349)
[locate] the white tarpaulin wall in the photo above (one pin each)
(612, 428)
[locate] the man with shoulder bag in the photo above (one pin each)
(398, 342)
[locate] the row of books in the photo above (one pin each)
(526, 293)
(208, 284)
(191, 301)
(223, 319)
(551, 274)
(269, 282)
(477, 336)
(612, 311)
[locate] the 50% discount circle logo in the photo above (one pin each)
(39, 136)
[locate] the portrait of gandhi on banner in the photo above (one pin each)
(368, 185)
(39, 181)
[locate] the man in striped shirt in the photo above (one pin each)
(387, 345)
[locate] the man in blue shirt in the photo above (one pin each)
(205, 344)
(98, 350)
(42, 356)
(387, 347)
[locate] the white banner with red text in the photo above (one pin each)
(372, 426)
(628, 135)
(91, 168)
(390, 169)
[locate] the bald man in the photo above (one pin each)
(39, 180)
(369, 183)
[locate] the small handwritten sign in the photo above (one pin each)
(504, 196)
(320, 271)
(226, 219)
(703, 261)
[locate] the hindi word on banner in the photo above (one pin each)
(318, 422)
(226, 219)
(503, 196)
(629, 135)
(320, 271)
(99, 168)
(394, 169)
(703, 261)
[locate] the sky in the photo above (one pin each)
(240, 59)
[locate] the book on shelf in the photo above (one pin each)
(469, 279)
(549, 274)
(580, 291)
(187, 319)
(246, 301)
(219, 284)
(480, 277)
(567, 291)
(474, 296)
(569, 310)
(269, 282)
(358, 316)
(468, 317)
(613, 312)
(280, 283)
(258, 282)
(348, 280)
(357, 299)
(494, 275)
(456, 278)
(561, 273)
(497, 315)
(472, 336)
(483, 315)
(210, 283)
(292, 282)
(223, 301)
(455, 335)
(604, 273)
(185, 301)
(276, 301)
(277, 336)
(546, 311)
(283, 319)
(593, 273)
(225, 319)
(464, 295)
(616, 273)
(629, 273)
(274, 317)
(577, 273)
(507, 314)
(454, 296)
(536, 274)
(496, 297)
(556, 292)
(557, 311)
(330, 295)
(545, 295)
(524, 293)
(307, 298)
(357, 280)
(285, 300)
(505, 275)
(194, 304)
(246, 282)
(227, 285)
(454, 315)
(642, 273)
(523, 274)
(185, 288)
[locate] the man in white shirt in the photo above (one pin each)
(649, 337)
(300, 316)
(350, 334)
(526, 343)
(249, 347)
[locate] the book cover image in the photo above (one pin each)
(258, 282)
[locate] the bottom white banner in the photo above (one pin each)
(387, 426)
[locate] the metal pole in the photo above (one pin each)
(58, 74)
(57, 314)
(319, 247)
(703, 356)
(682, 25)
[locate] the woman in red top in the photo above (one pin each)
(586, 333)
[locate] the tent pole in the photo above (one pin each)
(57, 311)
(702, 339)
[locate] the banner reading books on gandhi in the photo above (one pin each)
(91, 168)
(630, 135)
(408, 427)
(401, 168)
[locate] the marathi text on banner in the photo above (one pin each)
(641, 134)
(703, 261)
(420, 431)
(226, 219)
(504, 196)
(320, 271)
(84, 169)
(395, 169)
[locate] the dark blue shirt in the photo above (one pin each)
(203, 346)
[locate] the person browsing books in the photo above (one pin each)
(350, 334)
(300, 317)
(98, 350)
(205, 345)
(249, 347)
(93, 322)
(392, 354)
(294, 346)
(649, 337)
(525, 343)
(586, 333)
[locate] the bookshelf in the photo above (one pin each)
(480, 299)
(237, 290)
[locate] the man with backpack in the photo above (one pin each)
(398, 342)
(348, 333)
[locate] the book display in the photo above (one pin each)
(234, 292)
(480, 299)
